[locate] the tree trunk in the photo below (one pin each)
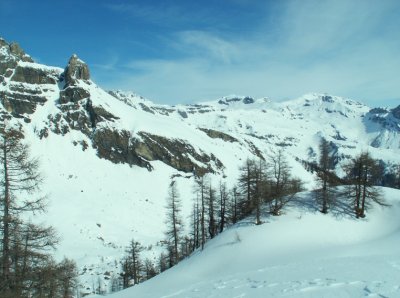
(258, 212)
(6, 219)
(203, 211)
(324, 194)
(176, 256)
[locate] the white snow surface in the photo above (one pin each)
(302, 253)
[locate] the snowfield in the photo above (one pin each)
(302, 253)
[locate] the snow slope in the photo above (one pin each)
(300, 254)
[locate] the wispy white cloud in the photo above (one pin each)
(205, 44)
(110, 64)
(348, 48)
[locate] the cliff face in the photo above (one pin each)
(72, 106)
(24, 84)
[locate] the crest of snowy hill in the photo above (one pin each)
(301, 254)
(108, 156)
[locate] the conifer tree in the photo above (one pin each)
(282, 187)
(174, 223)
(363, 173)
(280, 172)
(135, 262)
(261, 189)
(324, 175)
(212, 224)
(150, 269)
(66, 278)
(162, 262)
(24, 245)
(233, 211)
(195, 223)
(246, 186)
(18, 173)
(223, 201)
(201, 193)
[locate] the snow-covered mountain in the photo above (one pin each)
(108, 156)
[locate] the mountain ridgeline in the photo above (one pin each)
(69, 101)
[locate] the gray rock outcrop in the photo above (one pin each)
(32, 76)
(76, 70)
(24, 80)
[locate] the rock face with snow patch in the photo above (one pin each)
(29, 75)
(24, 83)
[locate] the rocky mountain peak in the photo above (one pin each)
(239, 100)
(12, 52)
(17, 51)
(76, 70)
(24, 83)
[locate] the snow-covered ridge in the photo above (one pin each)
(35, 65)
(302, 253)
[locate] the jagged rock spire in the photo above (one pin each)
(76, 70)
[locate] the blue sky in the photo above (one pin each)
(188, 51)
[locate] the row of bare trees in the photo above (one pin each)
(260, 183)
(266, 186)
(135, 269)
(27, 268)
(266, 182)
(263, 187)
(214, 209)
